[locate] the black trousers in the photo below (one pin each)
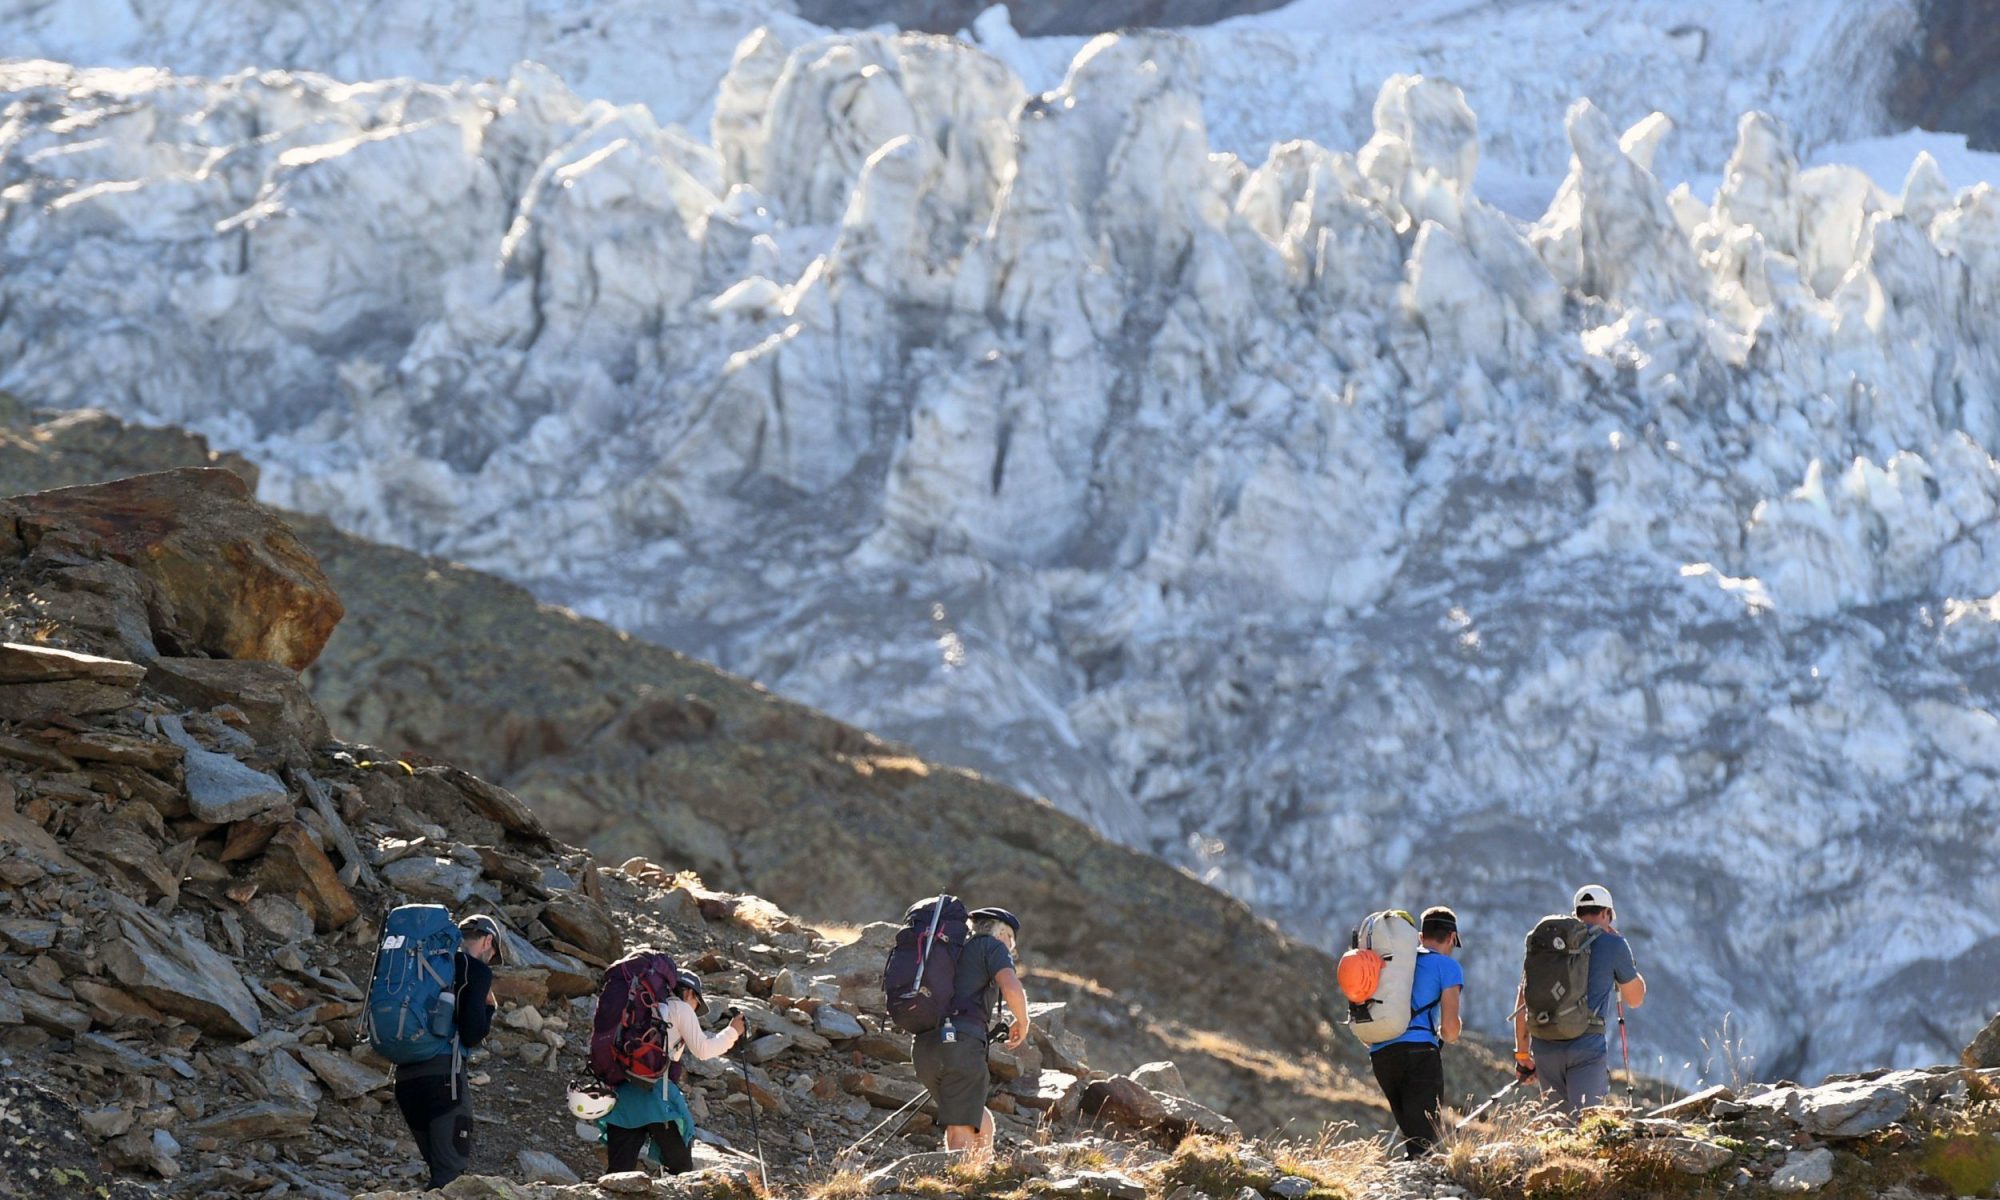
(624, 1145)
(441, 1124)
(1412, 1078)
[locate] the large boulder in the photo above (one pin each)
(220, 788)
(296, 866)
(180, 975)
(221, 575)
(270, 696)
(37, 680)
(1984, 1052)
(1120, 1101)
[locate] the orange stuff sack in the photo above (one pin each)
(1360, 973)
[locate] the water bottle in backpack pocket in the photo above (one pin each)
(412, 1013)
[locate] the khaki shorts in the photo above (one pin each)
(956, 1076)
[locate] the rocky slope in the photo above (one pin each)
(1300, 518)
(1950, 79)
(635, 751)
(195, 872)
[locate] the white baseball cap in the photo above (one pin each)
(1593, 895)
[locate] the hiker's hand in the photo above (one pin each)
(1524, 1066)
(1016, 1034)
(736, 1023)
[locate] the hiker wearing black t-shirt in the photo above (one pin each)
(433, 1095)
(951, 1060)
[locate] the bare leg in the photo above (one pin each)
(975, 1144)
(983, 1151)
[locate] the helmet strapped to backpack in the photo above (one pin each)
(590, 1100)
(1555, 979)
(411, 1014)
(1382, 959)
(920, 978)
(627, 1038)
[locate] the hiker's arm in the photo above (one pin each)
(1521, 1019)
(1631, 984)
(699, 1042)
(1524, 1060)
(475, 1008)
(1016, 997)
(1448, 1023)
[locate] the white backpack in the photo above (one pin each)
(1393, 938)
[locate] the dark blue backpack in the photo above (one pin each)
(412, 1012)
(920, 980)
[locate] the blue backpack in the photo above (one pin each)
(412, 1012)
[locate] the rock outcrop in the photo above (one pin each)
(1984, 1050)
(208, 573)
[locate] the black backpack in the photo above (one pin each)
(920, 980)
(1555, 975)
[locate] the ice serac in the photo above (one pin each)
(1272, 515)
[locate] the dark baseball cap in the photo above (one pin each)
(480, 923)
(997, 914)
(1438, 921)
(692, 982)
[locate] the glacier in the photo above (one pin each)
(1303, 517)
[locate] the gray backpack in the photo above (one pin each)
(1556, 979)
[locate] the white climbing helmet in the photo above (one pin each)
(591, 1101)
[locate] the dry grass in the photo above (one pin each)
(842, 1185)
(1211, 1166)
(1301, 1075)
(1951, 1153)
(1337, 1161)
(1089, 987)
(1081, 1158)
(998, 1179)
(1528, 1153)
(839, 935)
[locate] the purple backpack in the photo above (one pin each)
(920, 980)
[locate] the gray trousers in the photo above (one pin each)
(1575, 1074)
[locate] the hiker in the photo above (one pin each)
(433, 1095)
(1557, 1041)
(1410, 1067)
(951, 1059)
(656, 1110)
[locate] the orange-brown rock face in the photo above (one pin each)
(221, 577)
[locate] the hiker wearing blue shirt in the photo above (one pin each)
(1410, 1068)
(1576, 1072)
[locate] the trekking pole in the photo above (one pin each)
(919, 1099)
(1625, 1046)
(755, 1137)
(1487, 1107)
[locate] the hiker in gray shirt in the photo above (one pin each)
(951, 1060)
